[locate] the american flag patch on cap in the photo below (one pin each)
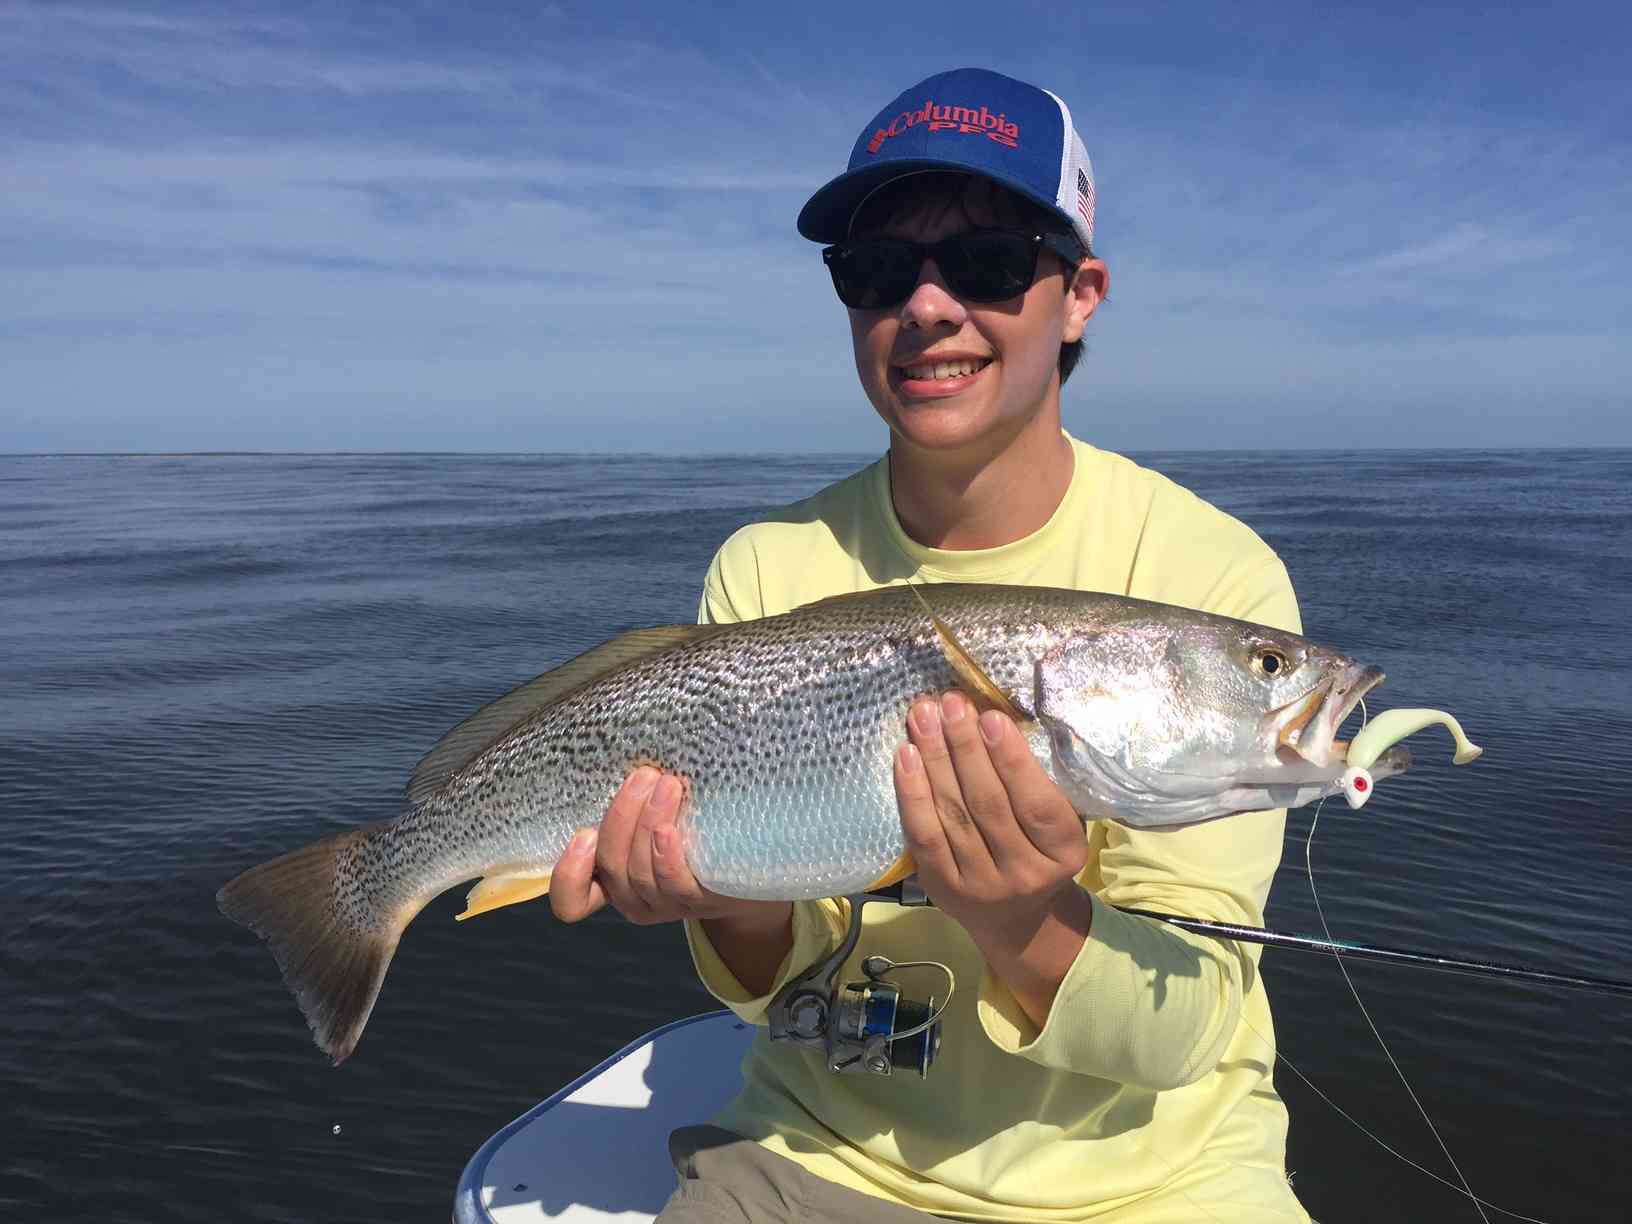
(1085, 200)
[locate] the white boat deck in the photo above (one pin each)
(597, 1151)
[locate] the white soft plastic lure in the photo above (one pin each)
(1388, 729)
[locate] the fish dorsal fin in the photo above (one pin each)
(498, 718)
(981, 689)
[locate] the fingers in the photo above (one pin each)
(976, 803)
(661, 805)
(995, 840)
(639, 860)
(661, 809)
(574, 892)
(920, 818)
(973, 802)
(1040, 810)
(674, 879)
(617, 836)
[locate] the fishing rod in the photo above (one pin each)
(1398, 956)
(902, 894)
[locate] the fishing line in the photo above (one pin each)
(1358, 1125)
(1274, 1053)
(1309, 869)
(1463, 1188)
(1394, 1152)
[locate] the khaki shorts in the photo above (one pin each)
(726, 1179)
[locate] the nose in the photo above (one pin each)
(931, 302)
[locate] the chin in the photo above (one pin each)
(933, 422)
(935, 427)
(946, 426)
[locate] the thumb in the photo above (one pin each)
(574, 893)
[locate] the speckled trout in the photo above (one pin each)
(784, 730)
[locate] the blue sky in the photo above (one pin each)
(565, 226)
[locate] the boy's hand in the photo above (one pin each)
(634, 861)
(998, 846)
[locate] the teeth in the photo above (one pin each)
(946, 369)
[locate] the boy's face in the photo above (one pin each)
(1014, 346)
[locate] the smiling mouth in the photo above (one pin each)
(944, 371)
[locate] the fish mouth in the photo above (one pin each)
(1310, 728)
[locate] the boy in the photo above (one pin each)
(1095, 1066)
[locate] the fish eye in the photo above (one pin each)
(1267, 661)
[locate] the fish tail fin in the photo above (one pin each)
(332, 934)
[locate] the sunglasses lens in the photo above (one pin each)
(988, 266)
(870, 275)
(982, 266)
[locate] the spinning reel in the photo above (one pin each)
(867, 1026)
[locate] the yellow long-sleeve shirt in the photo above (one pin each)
(1146, 1098)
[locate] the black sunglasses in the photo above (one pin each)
(986, 265)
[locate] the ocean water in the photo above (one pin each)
(207, 660)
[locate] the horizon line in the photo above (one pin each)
(765, 454)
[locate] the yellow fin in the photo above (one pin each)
(982, 690)
(497, 891)
(899, 870)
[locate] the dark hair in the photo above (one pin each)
(931, 195)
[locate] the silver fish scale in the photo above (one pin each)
(784, 730)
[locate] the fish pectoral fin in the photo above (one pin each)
(497, 891)
(981, 689)
(899, 870)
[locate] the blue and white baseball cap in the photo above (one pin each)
(976, 121)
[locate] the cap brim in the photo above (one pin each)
(826, 215)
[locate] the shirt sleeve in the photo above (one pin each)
(731, 588)
(731, 594)
(818, 928)
(1145, 1003)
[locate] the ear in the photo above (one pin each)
(1086, 291)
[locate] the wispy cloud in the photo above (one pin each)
(343, 164)
(1466, 246)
